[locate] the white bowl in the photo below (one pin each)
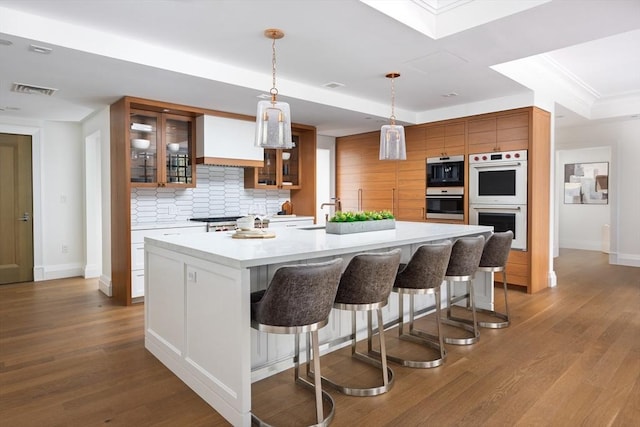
(246, 223)
(173, 147)
(286, 156)
(140, 144)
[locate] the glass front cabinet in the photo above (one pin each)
(281, 169)
(161, 149)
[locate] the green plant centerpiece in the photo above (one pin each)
(359, 222)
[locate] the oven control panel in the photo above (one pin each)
(503, 156)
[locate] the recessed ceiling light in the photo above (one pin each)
(40, 49)
(4, 42)
(264, 96)
(333, 85)
(449, 95)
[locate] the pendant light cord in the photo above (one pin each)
(393, 102)
(274, 90)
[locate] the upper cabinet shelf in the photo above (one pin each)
(281, 169)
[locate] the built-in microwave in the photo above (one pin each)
(498, 178)
(445, 203)
(445, 171)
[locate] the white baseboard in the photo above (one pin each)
(104, 285)
(587, 245)
(552, 279)
(91, 271)
(38, 273)
(62, 271)
(630, 260)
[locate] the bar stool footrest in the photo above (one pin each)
(256, 421)
(367, 391)
(422, 338)
(493, 325)
(465, 324)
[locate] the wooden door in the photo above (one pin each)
(16, 224)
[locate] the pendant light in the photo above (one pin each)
(392, 141)
(273, 119)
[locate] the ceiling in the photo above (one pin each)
(582, 55)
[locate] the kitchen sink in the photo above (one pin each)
(313, 227)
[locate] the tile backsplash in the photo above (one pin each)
(219, 192)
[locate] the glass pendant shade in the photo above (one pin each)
(273, 125)
(392, 143)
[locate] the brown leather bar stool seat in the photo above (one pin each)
(298, 300)
(494, 260)
(463, 263)
(422, 275)
(365, 286)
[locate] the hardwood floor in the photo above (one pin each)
(70, 357)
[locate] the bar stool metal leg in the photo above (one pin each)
(469, 325)
(503, 316)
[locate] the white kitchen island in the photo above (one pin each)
(197, 314)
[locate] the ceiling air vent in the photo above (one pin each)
(23, 88)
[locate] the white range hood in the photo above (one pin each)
(227, 142)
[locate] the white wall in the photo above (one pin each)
(580, 225)
(62, 200)
(99, 123)
(622, 138)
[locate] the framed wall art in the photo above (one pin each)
(586, 183)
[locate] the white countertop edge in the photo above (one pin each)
(305, 244)
(168, 224)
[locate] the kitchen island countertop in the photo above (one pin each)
(295, 244)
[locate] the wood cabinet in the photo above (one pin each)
(446, 139)
(366, 183)
(499, 132)
(411, 177)
(168, 159)
(166, 166)
(282, 169)
(295, 172)
(363, 183)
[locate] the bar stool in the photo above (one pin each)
(298, 300)
(423, 275)
(494, 260)
(463, 263)
(365, 285)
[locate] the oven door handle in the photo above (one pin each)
(444, 196)
(501, 165)
(496, 208)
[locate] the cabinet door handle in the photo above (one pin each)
(393, 200)
(359, 199)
